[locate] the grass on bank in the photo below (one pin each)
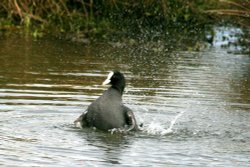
(93, 18)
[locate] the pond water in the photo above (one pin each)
(195, 106)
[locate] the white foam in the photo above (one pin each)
(157, 128)
(169, 130)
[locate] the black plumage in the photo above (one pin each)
(107, 111)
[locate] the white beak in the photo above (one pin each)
(108, 80)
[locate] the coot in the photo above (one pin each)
(108, 112)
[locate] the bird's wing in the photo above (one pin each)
(81, 120)
(131, 123)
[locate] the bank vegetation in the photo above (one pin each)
(97, 17)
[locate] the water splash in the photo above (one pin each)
(157, 128)
(169, 130)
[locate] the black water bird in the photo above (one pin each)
(108, 112)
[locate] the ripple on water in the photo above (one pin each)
(194, 106)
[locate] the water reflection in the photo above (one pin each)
(111, 146)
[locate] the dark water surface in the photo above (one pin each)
(195, 106)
